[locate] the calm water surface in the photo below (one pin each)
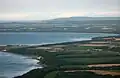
(45, 37)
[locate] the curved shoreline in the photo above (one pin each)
(20, 71)
(64, 43)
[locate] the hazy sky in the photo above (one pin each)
(48, 9)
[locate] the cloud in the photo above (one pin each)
(28, 16)
(113, 13)
(13, 16)
(69, 14)
(51, 15)
(48, 9)
(89, 14)
(108, 13)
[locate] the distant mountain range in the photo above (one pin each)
(62, 20)
(77, 18)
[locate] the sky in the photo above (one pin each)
(49, 9)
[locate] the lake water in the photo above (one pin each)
(13, 65)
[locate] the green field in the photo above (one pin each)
(73, 57)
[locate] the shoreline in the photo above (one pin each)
(54, 31)
(79, 40)
(63, 43)
(33, 62)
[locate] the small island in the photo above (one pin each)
(96, 58)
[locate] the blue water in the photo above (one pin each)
(14, 65)
(45, 37)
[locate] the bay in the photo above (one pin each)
(45, 37)
(14, 65)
